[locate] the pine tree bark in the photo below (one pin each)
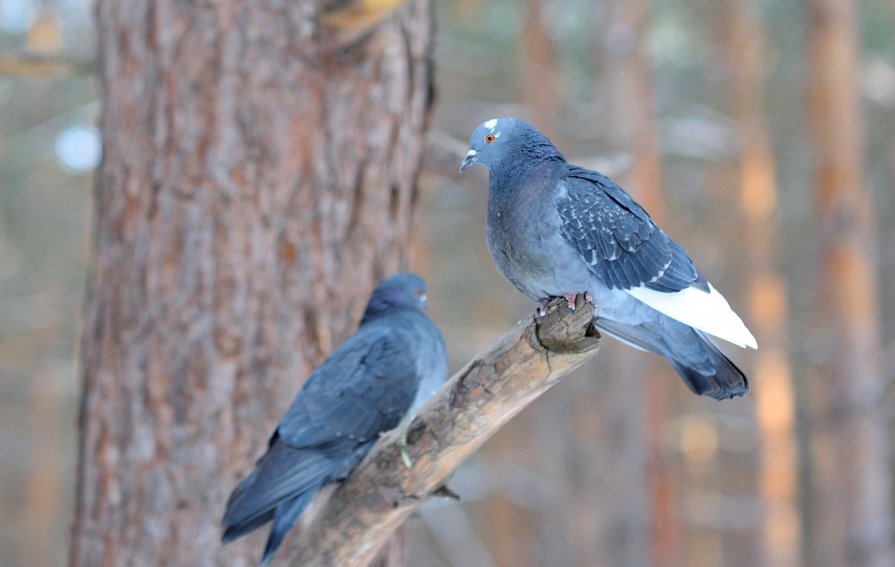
(258, 179)
(853, 513)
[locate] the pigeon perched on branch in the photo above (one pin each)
(383, 372)
(555, 229)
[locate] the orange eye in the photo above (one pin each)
(489, 138)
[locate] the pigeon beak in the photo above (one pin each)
(468, 160)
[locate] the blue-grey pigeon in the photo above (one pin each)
(368, 384)
(558, 230)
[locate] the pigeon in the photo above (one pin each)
(379, 376)
(558, 230)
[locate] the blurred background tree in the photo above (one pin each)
(727, 119)
(851, 451)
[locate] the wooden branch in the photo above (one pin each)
(496, 385)
(30, 64)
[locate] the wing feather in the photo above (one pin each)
(363, 388)
(627, 251)
(618, 239)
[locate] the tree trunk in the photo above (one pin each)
(258, 179)
(766, 292)
(851, 457)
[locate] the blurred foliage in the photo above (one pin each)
(43, 226)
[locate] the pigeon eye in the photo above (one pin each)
(489, 138)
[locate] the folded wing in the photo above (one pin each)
(363, 388)
(627, 251)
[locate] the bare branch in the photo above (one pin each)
(442, 158)
(492, 388)
(30, 64)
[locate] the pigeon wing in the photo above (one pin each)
(363, 388)
(617, 238)
(626, 250)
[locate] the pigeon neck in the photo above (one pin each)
(512, 175)
(539, 149)
(535, 154)
(377, 307)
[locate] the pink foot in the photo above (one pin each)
(570, 298)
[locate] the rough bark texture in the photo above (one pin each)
(766, 291)
(851, 454)
(492, 388)
(258, 179)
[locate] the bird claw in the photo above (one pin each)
(571, 299)
(445, 492)
(405, 456)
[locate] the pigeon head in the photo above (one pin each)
(399, 291)
(503, 141)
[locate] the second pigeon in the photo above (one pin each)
(378, 376)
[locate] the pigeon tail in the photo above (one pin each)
(236, 531)
(715, 376)
(285, 516)
(694, 355)
(283, 476)
(236, 522)
(707, 311)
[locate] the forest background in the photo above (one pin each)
(761, 136)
